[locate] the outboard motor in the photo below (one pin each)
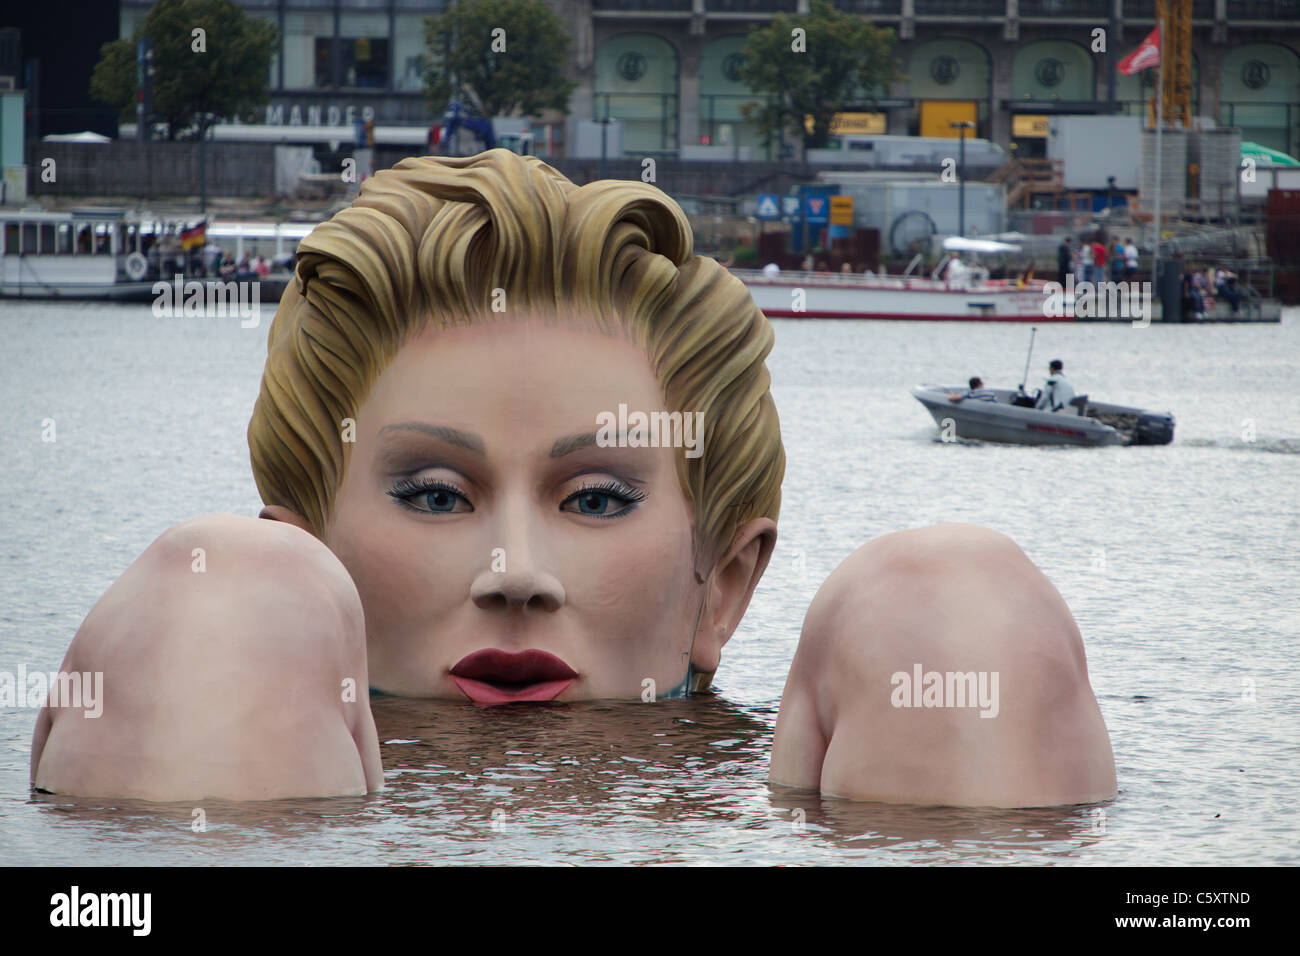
(1024, 400)
(1154, 428)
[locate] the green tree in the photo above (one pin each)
(839, 60)
(219, 71)
(507, 58)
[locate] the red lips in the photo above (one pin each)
(491, 676)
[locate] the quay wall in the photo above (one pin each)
(247, 170)
(148, 170)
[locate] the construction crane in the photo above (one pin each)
(1175, 16)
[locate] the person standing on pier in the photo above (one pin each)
(1064, 261)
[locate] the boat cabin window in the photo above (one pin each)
(65, 239)
(11, 239)
(29, 238)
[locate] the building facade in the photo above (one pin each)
(669, 69)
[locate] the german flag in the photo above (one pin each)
(194, 235)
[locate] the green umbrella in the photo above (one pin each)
(1264, 156)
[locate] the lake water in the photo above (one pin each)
(1179, 563)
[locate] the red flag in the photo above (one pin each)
(1145, 56)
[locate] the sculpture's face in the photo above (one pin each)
(478, 514)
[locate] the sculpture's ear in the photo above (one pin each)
(729, 589)
(281, 513)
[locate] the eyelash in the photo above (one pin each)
(406, 488)
(632, 496)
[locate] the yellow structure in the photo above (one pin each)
(1030, 126)
(937, 116)
(862, 124)
(841, 210)
(1176, 52)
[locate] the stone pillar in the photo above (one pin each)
(1211, 71)
(899, 121)
(582, 102)
(1000, 84)
(691, 50)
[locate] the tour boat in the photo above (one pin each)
(115, 254)
(1008, 415)
(813, 295)
(965, 292)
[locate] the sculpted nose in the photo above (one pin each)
(516, 575)
(519, 587)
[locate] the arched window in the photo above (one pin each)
(1057, 71)
(1259, 90)
(636, 82)
(949, 80)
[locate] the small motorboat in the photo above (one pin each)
(1009, 415)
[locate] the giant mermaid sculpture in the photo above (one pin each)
(450, 518)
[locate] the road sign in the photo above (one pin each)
(819, 209)
(767, 206)
(841, 210)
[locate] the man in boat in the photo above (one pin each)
(1057, 391)
(958, 273)
(977, 391)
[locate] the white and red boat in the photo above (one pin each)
(965, 294)
(813, 295)
(98, 253)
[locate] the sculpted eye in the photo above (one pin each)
(610, 500)
(430, 497)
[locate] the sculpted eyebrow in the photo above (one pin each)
(452, 436)
(572, 443)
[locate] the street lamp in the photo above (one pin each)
(204, 125)
(604, 137)
(961, 128)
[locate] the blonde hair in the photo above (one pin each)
(431, 239)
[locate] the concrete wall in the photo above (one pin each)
(149, 170)
(675, 177)
(683, 179)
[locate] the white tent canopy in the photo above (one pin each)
(82, 137)
(958, 244)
